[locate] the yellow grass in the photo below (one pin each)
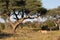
(29, 34)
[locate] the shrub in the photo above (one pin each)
(2, 26)
(35, 26)
(49, 24)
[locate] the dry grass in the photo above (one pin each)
(28, 34)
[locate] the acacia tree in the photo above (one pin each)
(24, 6)
(53, 12)
(42, 11)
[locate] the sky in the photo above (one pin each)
(49, 4)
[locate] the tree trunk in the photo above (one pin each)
(14, 25)
(22, 16)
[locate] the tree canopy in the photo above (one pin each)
(31, 5)
(24, 6)
(55, 11)
(27, 6)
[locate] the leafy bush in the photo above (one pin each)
(35, 26)
(48, 24)
(2, 26)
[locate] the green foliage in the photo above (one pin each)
(55, 11)
(42, 11)
(2, 26)
(32, 25)
(6, 6)
(35, 26)
(48, 24)
(32, 5)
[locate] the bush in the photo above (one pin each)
(2, 26)
(48, 25)
(35, 26)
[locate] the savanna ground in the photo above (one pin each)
(29, 34)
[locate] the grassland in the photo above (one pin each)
(29, 34)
